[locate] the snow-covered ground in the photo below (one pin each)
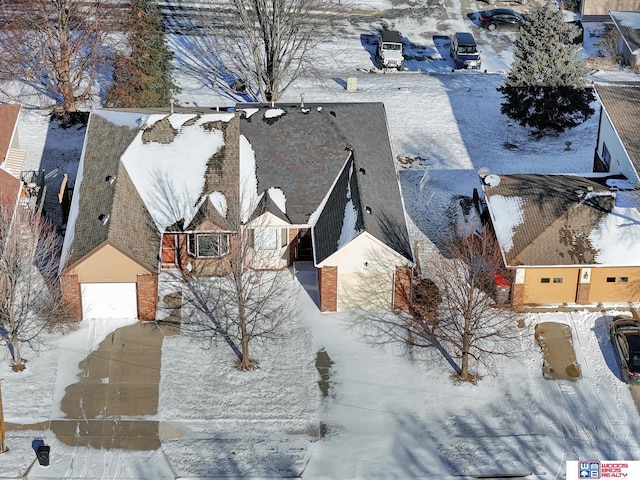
(386, 415)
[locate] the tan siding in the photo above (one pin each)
(603, 291)
(537, 292)
(108, 264)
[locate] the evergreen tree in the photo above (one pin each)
(142, 76)
(546, 87)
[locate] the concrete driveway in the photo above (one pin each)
(117, 388)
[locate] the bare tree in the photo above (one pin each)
(453, 308)
(264, 44)
(30, 297)
(241, 296)
(54, 49)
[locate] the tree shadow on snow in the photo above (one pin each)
(196, 58)
(601, 331)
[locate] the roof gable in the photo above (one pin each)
(562, 220)
(622, 105)
(109, 208)
(302, 151)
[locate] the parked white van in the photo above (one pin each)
(464, 51)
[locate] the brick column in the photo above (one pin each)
(147, 293)
(328, 288)
(71, 296)
(402, 288)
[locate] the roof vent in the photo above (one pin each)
(110, 179)
(104, 218)
(483, 172)
(362, 170)
(368, 210)
(492, 180)
(332, 113)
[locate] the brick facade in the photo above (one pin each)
(71, 296)
(328, 288)
(517, 294)
(147, 293)
(402, 288)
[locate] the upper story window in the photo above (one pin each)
(267, 238)
(208, 244)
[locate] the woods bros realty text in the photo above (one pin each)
(602, 469)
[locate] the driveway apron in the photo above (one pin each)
(117, 389)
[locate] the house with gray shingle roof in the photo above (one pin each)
(618, 143)
(567, 238)
(178, 190)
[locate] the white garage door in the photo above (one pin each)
(365, 290)
(109, 300)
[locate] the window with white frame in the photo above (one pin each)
(208, 244)
(265, 239)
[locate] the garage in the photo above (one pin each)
(109, 300)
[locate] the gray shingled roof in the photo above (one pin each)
(304, 151)
(129, 228)
(558, 214)
(622, 104)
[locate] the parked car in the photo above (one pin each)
(625, 337)
(464, 51)
(390, 50)
(501, 17)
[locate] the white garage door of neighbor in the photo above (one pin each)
(109, 300)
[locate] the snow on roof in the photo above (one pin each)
(274, 112)
(627, 19)
(278, 197)
(349, 230)
(510, 217)
(122, 119)
(617, 237)
(219, 201)
(248, 181)
(249, 111)
(170, 176)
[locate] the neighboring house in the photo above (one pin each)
(598, 10)
(567, 238)
(618, 144)
(160, 191)
(628, 26)
(17, 187)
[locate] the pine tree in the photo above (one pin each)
(142, 76)
(546, 87)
